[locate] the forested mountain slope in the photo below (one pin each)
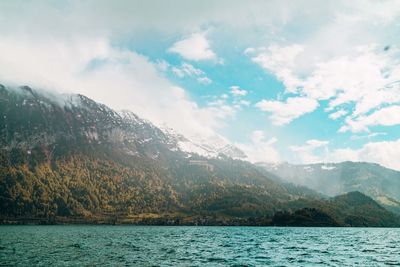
(66, 158)
(331, 179)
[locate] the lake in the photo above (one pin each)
(197, 246)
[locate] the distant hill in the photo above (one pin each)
(350, 209)
(380, 183)
(67, 158)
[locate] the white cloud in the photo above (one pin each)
(317, 143)
(308, 153)
(221, 109)
(224, 96)
(309, 145)
(178, 72)
(196, 47)
(186, 69)
(249, 51)
(354, 70)
(368, 78)
(244, 102)
(284, 112)
(124, 17)
(279, 61)
(191, 70)
(223, 105)
(378, 11)
(368, 136)
(385, 153)
(387, 116)
(353, 78)
(236, 91)
(204, 80)
(120, 78)
(260, 149)
(338, 114)
(227, 104)
(162, 65)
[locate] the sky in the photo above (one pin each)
(297, 81)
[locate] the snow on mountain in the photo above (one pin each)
(209, 146)
(98, 124)
(327, 167)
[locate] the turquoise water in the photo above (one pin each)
(197, 246)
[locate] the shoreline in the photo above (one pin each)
(102, 223)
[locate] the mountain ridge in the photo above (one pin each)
(379, 182)
(84, 162)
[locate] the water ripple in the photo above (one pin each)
(197, 246)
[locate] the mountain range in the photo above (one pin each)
(331, 179)
(66, 158)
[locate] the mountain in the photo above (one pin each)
(209, 147)
(380, 183)
(350, 209)
(67, 158)
(68, 155)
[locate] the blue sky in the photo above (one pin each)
(299, 81)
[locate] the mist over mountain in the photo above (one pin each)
(331, 179)
(67, 158)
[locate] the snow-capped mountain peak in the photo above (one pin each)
(207, 146)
